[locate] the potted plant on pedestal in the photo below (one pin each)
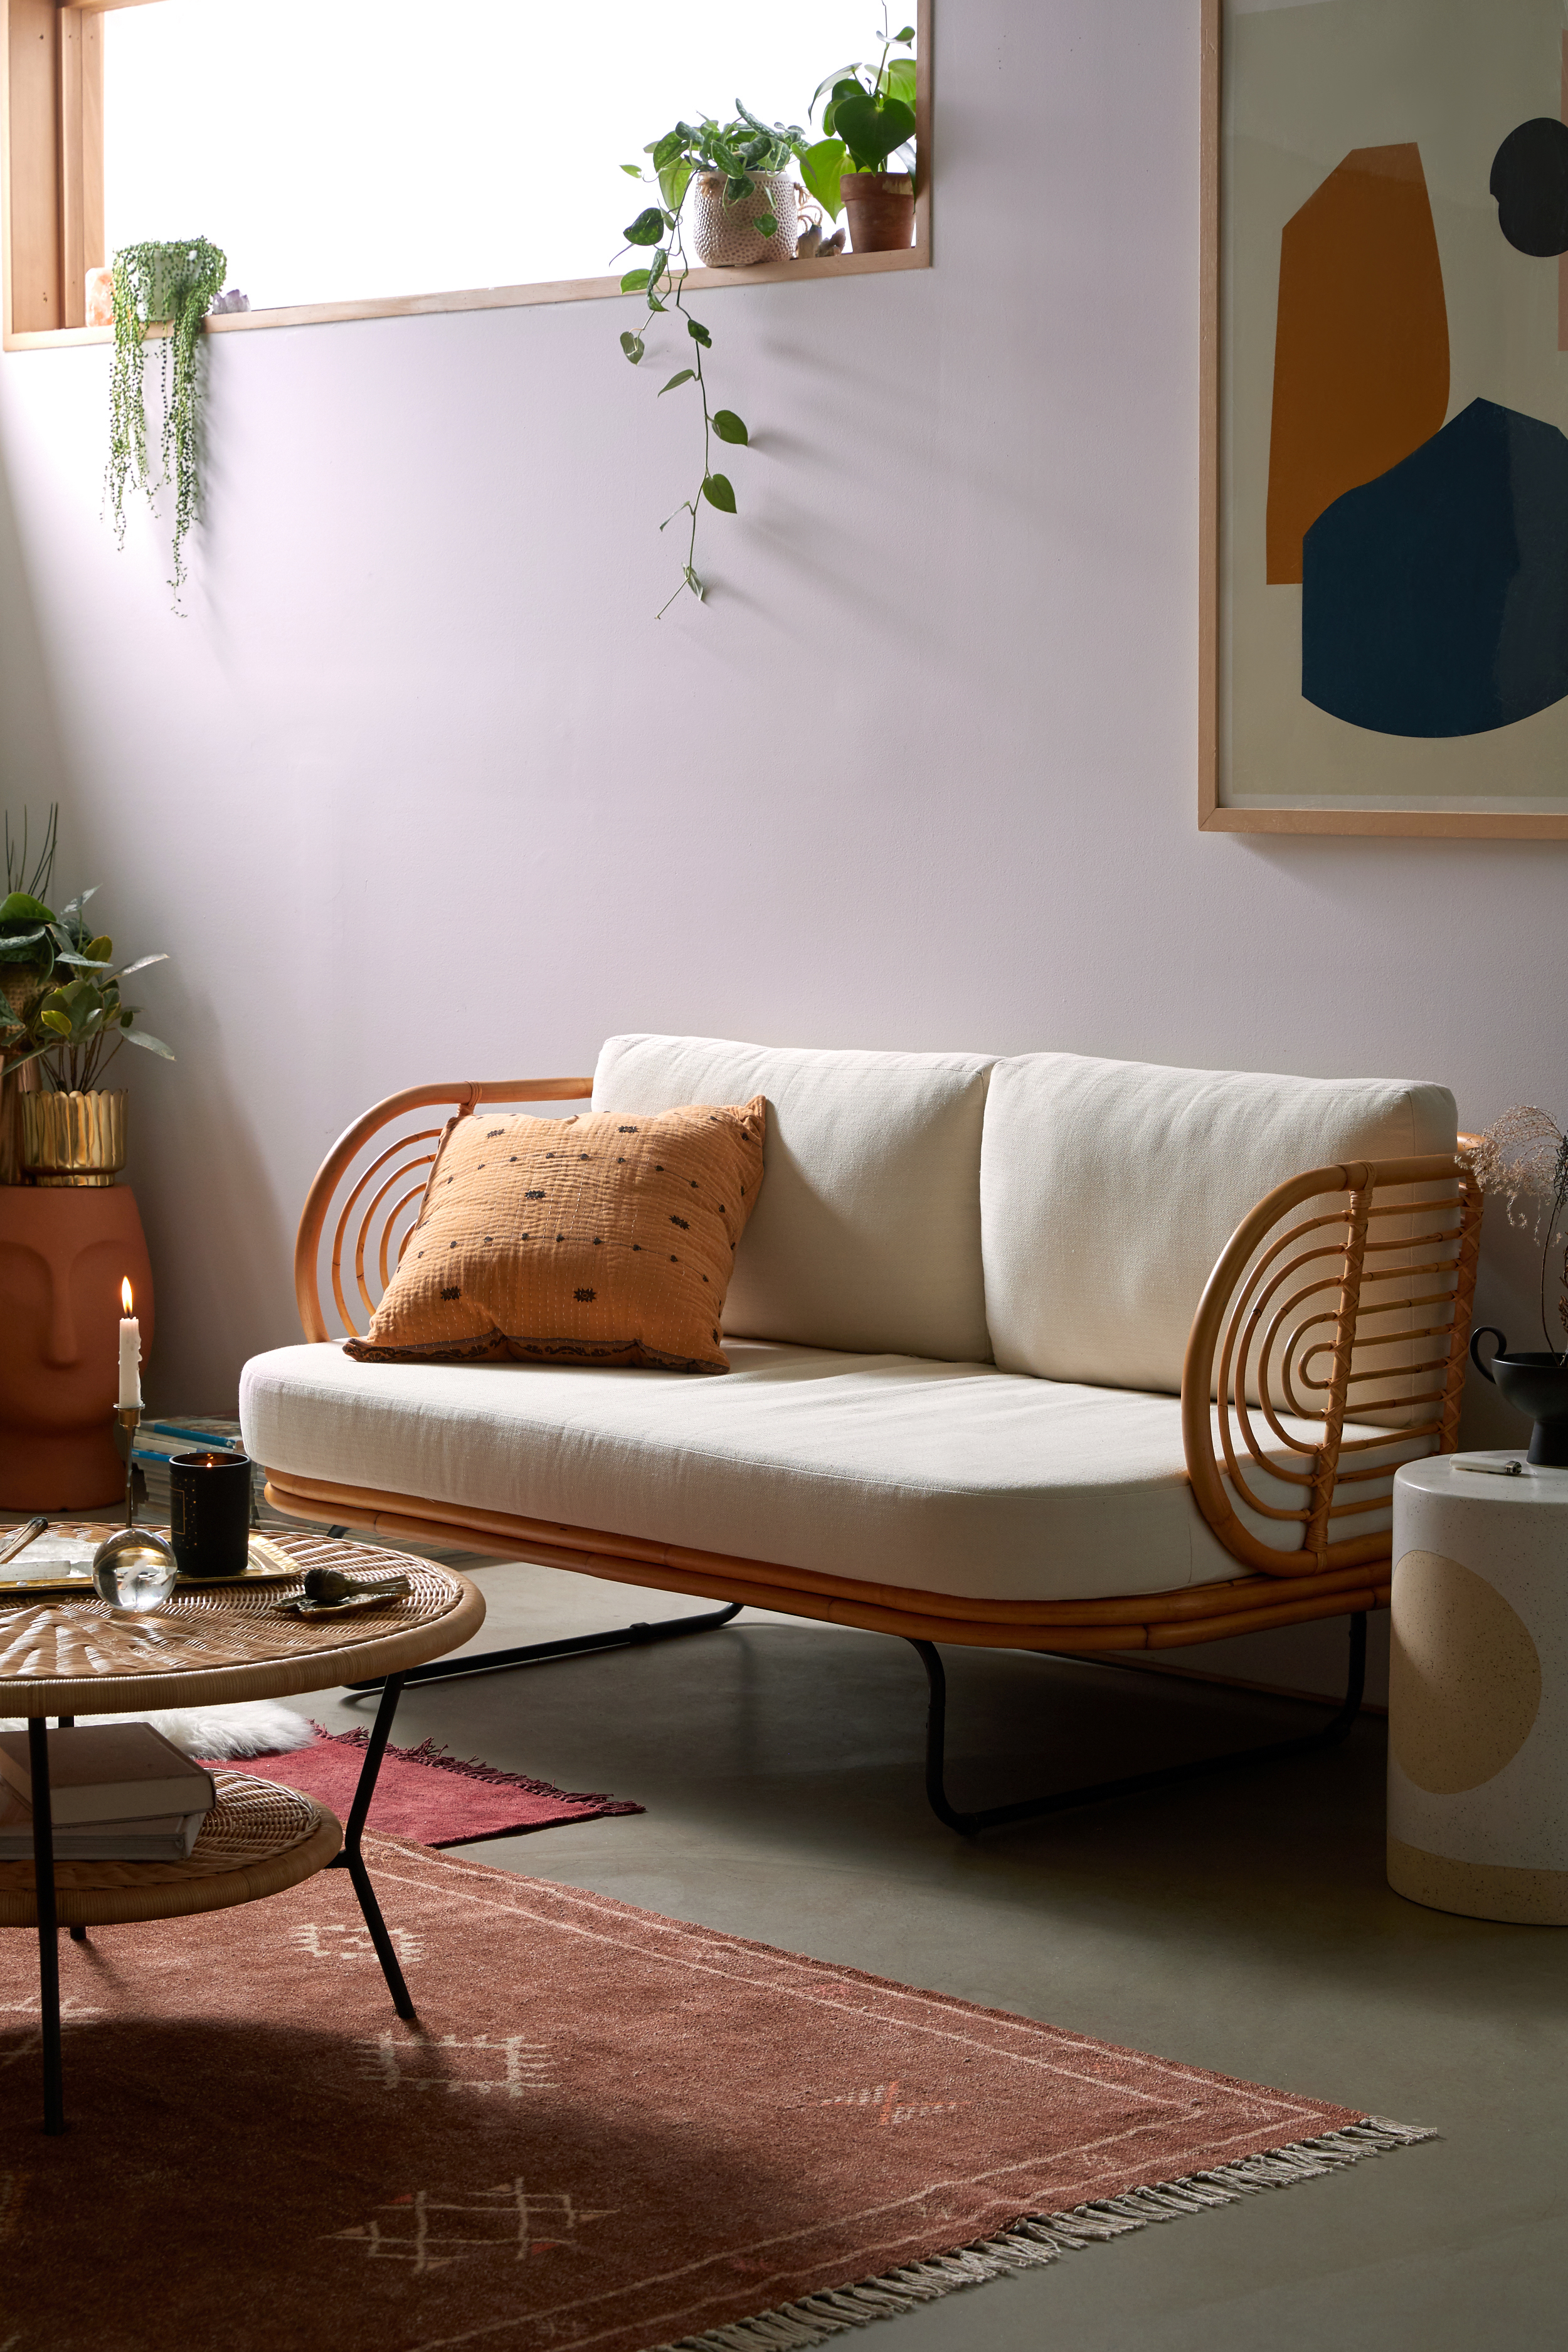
(27, 961)
(70, 1236)
(869, 118)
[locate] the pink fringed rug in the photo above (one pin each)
(425, 1794)
(610, 2131)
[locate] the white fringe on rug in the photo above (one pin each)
(1042, 2238)
(251, 1727)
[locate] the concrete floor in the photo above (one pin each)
(1245, 1925)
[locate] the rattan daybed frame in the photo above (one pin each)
(1386, 1249)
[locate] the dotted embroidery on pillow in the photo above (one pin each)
(515, 1311)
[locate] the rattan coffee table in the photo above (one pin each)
(66, 1657)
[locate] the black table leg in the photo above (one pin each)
(48, 1928)
(352, 1859)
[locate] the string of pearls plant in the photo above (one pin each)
(153, 284)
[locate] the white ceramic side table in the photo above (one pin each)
(1478, 1702)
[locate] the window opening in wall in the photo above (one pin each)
(348, 149)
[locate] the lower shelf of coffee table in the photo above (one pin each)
(258, 1839)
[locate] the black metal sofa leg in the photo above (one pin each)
(533, 1653)
(1329, 1735)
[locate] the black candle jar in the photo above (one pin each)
(209, 1513)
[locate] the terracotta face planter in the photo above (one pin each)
(881, 209)
(63, 1254)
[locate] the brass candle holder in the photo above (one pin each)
(129, 1417)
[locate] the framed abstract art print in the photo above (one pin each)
(1384, 636)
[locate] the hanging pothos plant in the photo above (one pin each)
(170, 283)
(736, 149)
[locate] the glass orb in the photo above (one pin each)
(135, 1571)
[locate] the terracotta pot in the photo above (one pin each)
(881, 209)
(74, 1139)
(722, 233)
(63, 1254)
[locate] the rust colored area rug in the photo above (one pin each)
(424, 1793)
(612, 2131)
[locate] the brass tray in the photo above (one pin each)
(269, 1564)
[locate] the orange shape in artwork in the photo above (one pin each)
(1360, 349)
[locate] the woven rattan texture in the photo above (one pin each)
(257, 1837)
(79, 1657)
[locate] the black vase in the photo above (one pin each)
(1534, 1383)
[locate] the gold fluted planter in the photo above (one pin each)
(73, 1138)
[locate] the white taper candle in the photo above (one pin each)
(130, 1352)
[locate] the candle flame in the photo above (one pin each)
(125, 1298)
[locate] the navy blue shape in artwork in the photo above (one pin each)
(1435, 599)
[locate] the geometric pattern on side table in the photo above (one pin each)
(1477, 1713)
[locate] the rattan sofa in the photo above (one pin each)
(1044, 1352)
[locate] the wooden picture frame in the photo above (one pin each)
(1283, 112)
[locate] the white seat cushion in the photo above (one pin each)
(953, 1479)
(867, 1233)
(1108, 1189)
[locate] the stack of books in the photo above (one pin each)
(119, 1792)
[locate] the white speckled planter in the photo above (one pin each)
(1477, 1703)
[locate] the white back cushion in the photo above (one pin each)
(867, 1233)
(1108, 1189)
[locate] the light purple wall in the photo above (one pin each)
(421, 789)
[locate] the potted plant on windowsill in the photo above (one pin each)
(869, 120)
(172, 284)
(745, 211)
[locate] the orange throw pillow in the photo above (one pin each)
(605, 1239)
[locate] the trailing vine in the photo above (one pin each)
(737, 150)
(172, 282)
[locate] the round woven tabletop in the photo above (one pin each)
(258, 1839)
(70, 1656)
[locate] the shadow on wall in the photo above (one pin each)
(32, 759)
(218, 1275)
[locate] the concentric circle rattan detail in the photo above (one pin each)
(373, 1210)
(258, 1839)
(1358, 1312)
(77, 1657)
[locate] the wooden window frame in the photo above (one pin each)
(51, 125)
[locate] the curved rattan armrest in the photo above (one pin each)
(459, 1096)
(1288, 1297)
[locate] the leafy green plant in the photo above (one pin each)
(736, 149)
(154, 284)
(26, 943)
(869, 115)
(75, 1026)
